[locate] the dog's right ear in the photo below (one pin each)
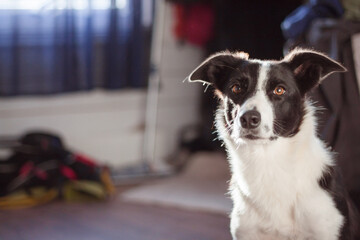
(216, 69)
(310, 67)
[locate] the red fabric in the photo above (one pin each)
(179, 26)
(85, 160)
(194, 23)
(41, 174)
(26, 169)
(29, 167)
(68, 172)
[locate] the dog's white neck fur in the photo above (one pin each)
(275, 186)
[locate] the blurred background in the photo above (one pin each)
(100, 137)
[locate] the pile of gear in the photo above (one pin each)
(40, 169)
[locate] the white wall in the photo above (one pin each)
(109, 126)
(178, 100)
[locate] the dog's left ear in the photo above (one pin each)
(216, 69)
(310, 68)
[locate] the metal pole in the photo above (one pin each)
(154, 86)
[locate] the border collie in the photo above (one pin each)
(284, 182)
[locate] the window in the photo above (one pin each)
(59, 4)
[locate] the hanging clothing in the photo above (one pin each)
(339, 94)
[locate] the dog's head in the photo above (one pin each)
(263, 100)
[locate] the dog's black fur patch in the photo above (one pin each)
(288, 109)
(332, 182)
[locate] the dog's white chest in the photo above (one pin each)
(279, 198)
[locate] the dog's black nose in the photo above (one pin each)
(250, 119)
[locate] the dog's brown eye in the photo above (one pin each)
(279, 91)
(236, 89)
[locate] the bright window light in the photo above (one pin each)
(22, 4)
(57, 4)
(121, 3)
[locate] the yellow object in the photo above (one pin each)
(22, 199)
(83, 190)
(80, 190)
(106, 180)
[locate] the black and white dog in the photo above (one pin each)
(284, 181)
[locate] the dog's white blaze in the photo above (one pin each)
(261, 103)
(263, 74)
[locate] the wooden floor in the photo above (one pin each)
(110, 220)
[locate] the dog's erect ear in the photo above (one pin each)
(216, 69)
(310, 67)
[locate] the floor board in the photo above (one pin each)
(111, 220)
